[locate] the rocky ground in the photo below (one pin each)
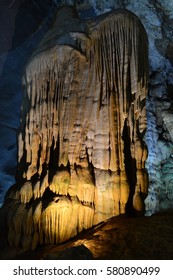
(120, 238)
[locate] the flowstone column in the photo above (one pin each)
(81, 152)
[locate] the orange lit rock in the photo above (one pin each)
(81, 152)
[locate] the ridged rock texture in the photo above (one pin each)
(81, 154)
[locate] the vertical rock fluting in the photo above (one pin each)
(81, 153)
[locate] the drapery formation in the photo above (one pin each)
(81, 155)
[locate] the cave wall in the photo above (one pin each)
(22, 22)
(157, 17)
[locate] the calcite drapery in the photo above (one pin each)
(81, 152)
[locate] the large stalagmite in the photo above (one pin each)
(81, 153)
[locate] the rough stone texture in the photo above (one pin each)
(81, 151)
(120, 238)
(157, 17)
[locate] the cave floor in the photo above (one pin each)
(121, 238)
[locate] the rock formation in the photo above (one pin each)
(81, 154)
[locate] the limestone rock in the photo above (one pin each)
(81, 153)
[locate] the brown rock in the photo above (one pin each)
(81, 153)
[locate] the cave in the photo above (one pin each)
(93, 155)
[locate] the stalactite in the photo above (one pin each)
(81, 151)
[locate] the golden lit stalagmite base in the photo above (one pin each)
(81, 155)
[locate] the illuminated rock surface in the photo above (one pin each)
(120, 238)
(156, 16)
(81, 156)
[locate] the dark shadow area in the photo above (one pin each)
(22, 26)
(130, 166)
(80, 252)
